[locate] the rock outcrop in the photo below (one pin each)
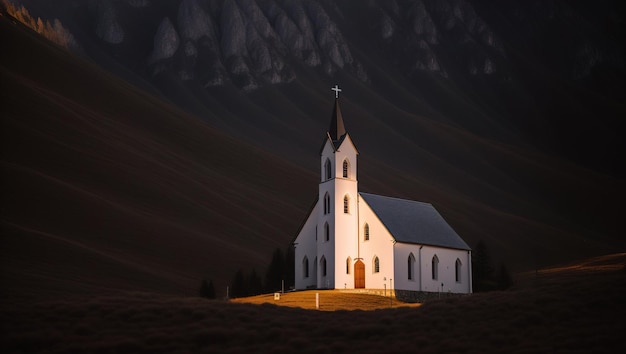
(108, 27)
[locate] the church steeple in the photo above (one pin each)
(337, 224)
(336, 129)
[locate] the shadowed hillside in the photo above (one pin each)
(106, 187)
(577, 309)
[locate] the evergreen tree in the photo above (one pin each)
(211, 290)
(276, 272)
(207, 290)
(254, 284)
(482, 270)
(238, 285)
(290, 260)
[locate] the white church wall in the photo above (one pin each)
(347, 150)
(343, 226)
(328, 153)
(380, 244)
(446, 273)
(325, 251)
(305, 245)
(326, 248)
(402, 251)
(346, 231)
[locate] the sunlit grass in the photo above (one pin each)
(329, 300)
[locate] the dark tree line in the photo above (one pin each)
(280, 268)
(207, 290)
(485, 276)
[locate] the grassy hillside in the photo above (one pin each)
(574, 309)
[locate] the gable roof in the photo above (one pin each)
(414, 222)
(308, 214)
(337, 132)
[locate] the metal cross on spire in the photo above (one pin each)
(337, 90)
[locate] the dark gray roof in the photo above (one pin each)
(414, 222)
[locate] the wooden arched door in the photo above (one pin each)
(359, 275)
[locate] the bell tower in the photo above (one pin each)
(337, 227)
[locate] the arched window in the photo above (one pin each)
(327, 170)
(376, 264)
(346, 168)
(323, 266)
(346, 204)
(410, 266)
(435, 267)
(305, 267)
(457, 270)
(326, 204)
(366, 232)
(326, 232)
(348, 264)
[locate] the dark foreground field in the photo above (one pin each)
(571, 309)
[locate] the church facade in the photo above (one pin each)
(353, 240)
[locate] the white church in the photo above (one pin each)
(353, 240)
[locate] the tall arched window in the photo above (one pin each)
(435, 267)
(326, 232)
(348, 265)
(326, 204)
(346, 204)
(305, 267)
(410, 266)
(323, 266)
(346, 168)
(376, 264)
(327, 170)
(457, 270)
(366, 232)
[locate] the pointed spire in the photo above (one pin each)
(336, 129)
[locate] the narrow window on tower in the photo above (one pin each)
(305, 267)
(346, 204)
(326, 232)
(326, 204)
(346, 167)
(366, 232)
(327, 170)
